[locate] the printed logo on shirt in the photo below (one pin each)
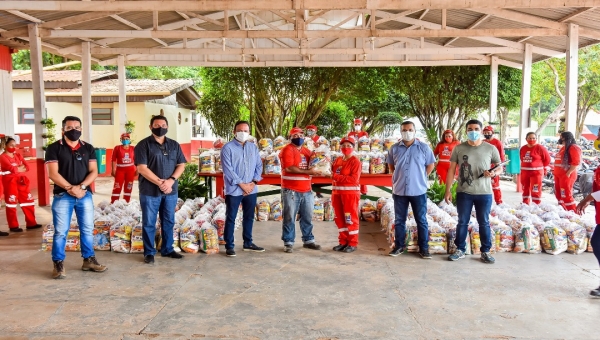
(527, 158)
(126, 159)
(338, 170)
(562, 192)
(535, 188)
(465, 172)
(303, 163)
(348, 218)
(12, 198)
(446, 151)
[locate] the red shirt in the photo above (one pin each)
(444, 150)
(498, 144)
(291, 156)
(346, 175)
(574, 158)
(357, 135)
(535, 158)
(12, 164)
(315, 138)
(596, 187)
(122, 157)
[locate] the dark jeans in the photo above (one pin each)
(232, 204)
(464, 205)
(164, 206)
(595, 242)
(419, 207)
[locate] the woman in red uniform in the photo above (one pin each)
(123, 169)
(567, 160)
(16, 188)
(534, 159)
(345, 196)
(443, 151)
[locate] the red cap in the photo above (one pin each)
(295, 130)
(358, 121)
(488, 128)
(125, 135)
(311, 127)
(348, 139)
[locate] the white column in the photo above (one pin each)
(494, 89)
(572, 61)
(86, 91)
(525, 94)
(7, 112)
(122, 93)
(37, 81)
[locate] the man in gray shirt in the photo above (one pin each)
(475, 159)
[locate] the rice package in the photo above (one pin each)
(279, 143)
(334, 144)
(137, 240)
(328, 212)
(576, 239)
(318, 211)
(364, 144)
(554, 240)
(206, 162)
(388, 143)
(377, 165)
(120, 236)
(276, 210)
(47, 237)
(368, 211)
(262, 210)
(376, 144)
(188, 237)
(272, 164)
(265, 144)
(102, 233)
(438, 244)
(320, 160)
(365, 161)
(527, 240)
(209, 239)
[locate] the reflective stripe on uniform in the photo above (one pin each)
(27, 204)
(342, 229)
(124, 165)
(11, 205)
(445, 160)
(125, 194)
(353, 232)
(345, 188)
(294, 178)
(524, 197)
(116, 195)
(533, 169)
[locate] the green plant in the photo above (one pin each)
(49, 135)
(437, 191)
(129, 126)
(190, 185)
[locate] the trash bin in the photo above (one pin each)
(514, 166)
(101, 159)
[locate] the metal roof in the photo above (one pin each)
(302, 33)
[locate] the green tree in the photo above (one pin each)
(334, 120)
(509, 95)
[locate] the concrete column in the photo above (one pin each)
(122, 93)
(7, 112)
(39, 109)
(572, 61)
(494, 89)
(525, 94)
(86, 91)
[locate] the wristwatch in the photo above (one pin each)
(255, 181)
(83, 186)
(173, 178)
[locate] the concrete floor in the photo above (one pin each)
(305, 295)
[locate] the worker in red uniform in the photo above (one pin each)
(123, 169)
(311, 132)
(488, 133)
(345, 195)
(2, 172)
(534, 159)
(357, 134)
(443, 151)
(16, 188)
(566, 162)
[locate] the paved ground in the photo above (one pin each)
(305, 295)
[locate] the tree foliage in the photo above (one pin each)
(334, 120)
(509, 95)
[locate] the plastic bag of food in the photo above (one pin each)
(576, 239)
(334, 156)
(368, 211)
(206, 161)
(276, 210)
(412, 237)
(334, 144)
(137, 240)
(102, 233)
(120, 236)
(176, 229)
(554, 240)
(365, 161)
(73, 242)
(218, 167)
(438, 243)
(262, 210)
(279, 143)
(364, 144)
(322, 141)
(451, 236)
(504, 238)
(47, 237)
(377, 163)
(209, 239)
(527, 240)
(309, 144)
(376, 144)
(319, 210)
(218, 221)
(380, 204)
(188, 237)
(320, 160)
(272, 164)
(265, 144)
(389, 142)
(328, 212)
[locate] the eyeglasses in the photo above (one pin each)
(163, 149)
(78, 156)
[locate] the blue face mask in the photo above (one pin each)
(297, 141)
(126, 142)
(473, 135)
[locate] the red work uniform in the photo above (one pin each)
(291, 156)
(533, 161)
(315, 138)
(443, 151)
(16, 191)
(125, 173)
(563, 185)
(595, 188)
(344, 198)
(496, 180)
(356, 136)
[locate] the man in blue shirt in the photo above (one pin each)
(411, 161)
(242, 168)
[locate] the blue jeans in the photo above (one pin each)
(232, 204)
(297, 203)
(164, 206)
(464, 205)
(62, 210)
(419, 207)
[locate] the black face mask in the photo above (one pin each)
(159, 131)
(488, 136)
(73, 135)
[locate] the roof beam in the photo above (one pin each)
(25, 16)
(394, 16)
(132, 25)
(522, 18)
(576, 14)
(205, 18)
(473, 25)
(308, 63)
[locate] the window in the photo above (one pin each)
(102, 116)
(26, 116)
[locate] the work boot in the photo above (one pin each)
(312, 246)
(349, 249)
(37, 226)
(91, 264)
(16, 230)
(59, 271)
(339, 247)
(149, 259)
(3, 233)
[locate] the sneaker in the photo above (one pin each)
(3, 233)
(396, 251)
(288, 248)
(92, 264)
(149, 259)
(33, 227)
(230, 252)
(16, 230)
(595, 292)
(487, 257)
(254, 247)
(458, 254)
(59, 271)
(173, 254)
(339, 247)
(425, 254)
(312, 246)
(349, 249)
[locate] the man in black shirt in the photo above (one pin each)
(160, 162)
(72, 167)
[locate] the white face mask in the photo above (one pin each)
(357, 128)
(408, 135)
(242, 136)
